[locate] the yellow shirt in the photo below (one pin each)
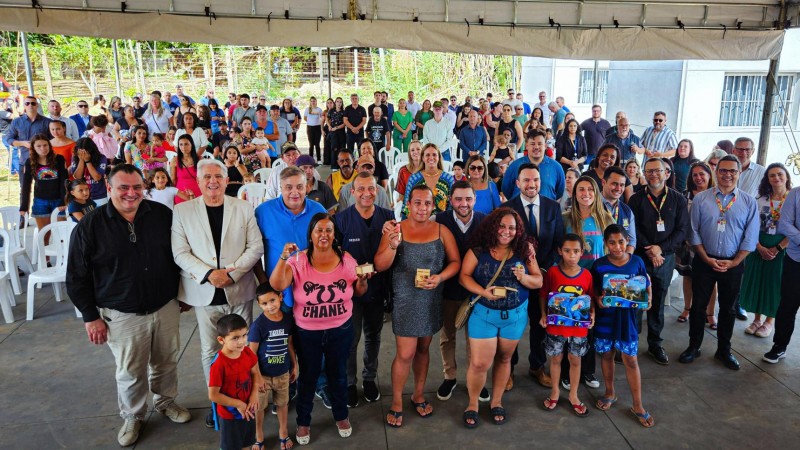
(337, 181)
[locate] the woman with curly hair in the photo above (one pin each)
(432, 175)
(498, 319)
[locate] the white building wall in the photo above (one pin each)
(557, 77)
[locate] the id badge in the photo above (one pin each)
(772, 230)
(660, 226)
(721, 225)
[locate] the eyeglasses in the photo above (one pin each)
(743, 150)
(653, 171)
(476, 168)
(728, 171)
(658, 120)
(30, 103)
(132, 231)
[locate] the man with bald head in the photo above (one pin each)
(624, 139)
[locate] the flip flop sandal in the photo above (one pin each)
(646, 420)
(682, 319)
(549, 404)
(397, 415)
(580, 410)
(605, 403)
(422, 405)
(498, 411)
(470, 415)
(260, 445)
(286, 443)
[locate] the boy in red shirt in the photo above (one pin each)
(234, 374)
(567, 277)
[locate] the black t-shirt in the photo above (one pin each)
(5, 120)
(376, 132)
(355, 115)
(215, 214)
(380, 171)
(219, 140)
(138, 112)
(384, 110)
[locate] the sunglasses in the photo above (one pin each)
(366, 166)
(83, 106)
(476, 168)
(658, 120)
(30, 103)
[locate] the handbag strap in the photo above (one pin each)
(496, 274)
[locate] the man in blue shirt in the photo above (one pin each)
(526, 108)
(551, 172)
(627, 142)
(22, 129)
(789, 226)
(725, 227)
(472, 139)
(285, 219)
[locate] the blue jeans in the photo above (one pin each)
(334, 345)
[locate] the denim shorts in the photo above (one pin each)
(485, 323)
(605, 345)
(42, 208)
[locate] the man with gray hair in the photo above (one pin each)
(217, 267)
(752, 172)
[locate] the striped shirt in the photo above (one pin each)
(750, 178)
(660, 142)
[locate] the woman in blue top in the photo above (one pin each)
(498, 320)
(487, 198)
(216, 115)
(615, 328)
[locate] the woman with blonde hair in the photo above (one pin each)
(431, 174)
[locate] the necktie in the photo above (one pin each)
(532, 219)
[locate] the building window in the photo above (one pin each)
(743, 100)
(586, 85)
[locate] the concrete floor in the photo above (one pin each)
(59, 392)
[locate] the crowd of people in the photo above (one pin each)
(498, 205)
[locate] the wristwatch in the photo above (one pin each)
(780, 249)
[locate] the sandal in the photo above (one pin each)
(605, 403)
(711, 323)
(498, 411)
(682, 318)
(550, 404)
(470, 415)
(423, 405)
(645, 419)
(397, 416)
(260, 445)
(286, 443)
(580, 410)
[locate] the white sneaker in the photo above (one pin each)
(129, 432)
(176, 413)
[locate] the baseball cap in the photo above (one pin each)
(306, 160)
(261, 108)
(287, 146)
(437, 104)
(366, 159)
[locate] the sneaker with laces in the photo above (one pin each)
(565, 384)
(352, 396)
(371, 391)
(484, 395)
(176, 413)
(591, 381)
(446, 389)
(129, 432)
(322, 394)
(774, 355)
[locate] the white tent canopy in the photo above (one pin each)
(588, 29)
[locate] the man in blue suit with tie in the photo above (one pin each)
(82, 118)
(542, 219)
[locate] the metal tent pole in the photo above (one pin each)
(116, 68)
(769, 96)
(28, 68)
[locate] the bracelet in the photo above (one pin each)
(393, 248)
(283, 259)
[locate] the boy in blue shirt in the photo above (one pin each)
(615, 328)
(271, 339)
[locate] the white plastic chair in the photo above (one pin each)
(170, 156)
(60, 233)
(11, 241)
(4, 277)
(262, 175)
(448, 166)
(400, 161)
(208, 155)
(6, 298)
(256, 193)
(48, 250)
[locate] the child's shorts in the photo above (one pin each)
(279, 387)
(236, 434)
(605, 345)
(42, 208)
(554, 345)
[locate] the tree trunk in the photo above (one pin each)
(47, 76)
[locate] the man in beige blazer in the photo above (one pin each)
(216, 243)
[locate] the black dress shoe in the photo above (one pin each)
(741, 314)
(659, 355)
(728, 360)
(689, 355)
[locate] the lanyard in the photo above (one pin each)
(726, 208)
(776, 212)
(615, 212)
(658, 208)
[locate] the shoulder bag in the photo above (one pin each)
(464, 311)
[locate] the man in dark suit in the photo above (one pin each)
(542, 219)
